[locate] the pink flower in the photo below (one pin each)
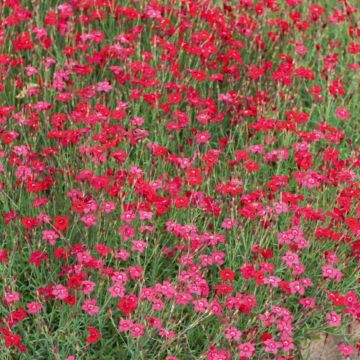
(284, 238)
(218, 354)
(38, 202)
(90, 307)
(117, 290)
(201, 305)
(108, 207)
(103, 86)
(83, 257)
(287, 344)
(272, 280)
(267, 319)
(290, 259)
(158, 305)
(285, 327)
(257, 149)
(49, 61)
(88, 286)
(152, 13)
(329, 272)
(119, 277)
(271, 346)
(145, 215)
(306, 282)
(218, 257)
(128, 216)
(342, 113)
(137, 121)
(122, 255)
(346, 350)
(89, 220)
(309, 180)
(232, 333)
(307, 303)
(246, 350)
(137, 330)
(301, 243)
(139, 246)
(33, 307)
(168, 334)
(30, 70)
(229, 224)
(135, 272)
(203, 137)
(331, 257)
(280, 207)
(127, 232)
(125, 325)
(60, 292)
(334, 319)
(298, 269)
(91, 206)
(50, 236)
(44, 218)
(296, 288)
(11, 298)
(122, 105)
(301, 49)
(247, 32)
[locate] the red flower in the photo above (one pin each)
(4, 255)
(12, 339)
(223, 289)
(10, 216)
(94, 335)
(128, 304)
(23, 42)
(30, 223)
(227, 274)
(37, 257)
(61, 223)
(16, 316)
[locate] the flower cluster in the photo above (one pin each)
(178, 179)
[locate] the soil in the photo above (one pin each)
(325, 348)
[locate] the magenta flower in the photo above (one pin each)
(246, 350)
(117, 289)
(342, 113)
(334, 319)
(12, 297)
(90, 307)
(346, 350)
(60, 292)
(232, 333)
(103, 86)
(33, 307)
(272, 346)
(137, 330)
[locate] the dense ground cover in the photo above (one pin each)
(178, 179)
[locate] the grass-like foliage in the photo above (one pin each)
(178, 178)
